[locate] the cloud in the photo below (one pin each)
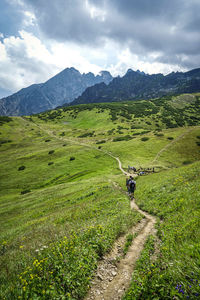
(170, 27)
(27, 60)
(39, 38)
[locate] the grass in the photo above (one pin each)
(63, 210)
(174, 199)
(43, 203)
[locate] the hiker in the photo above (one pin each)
(132, 187)
(127, 184)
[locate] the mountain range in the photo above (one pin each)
(138, 85)
(62, 88)
(72, 87)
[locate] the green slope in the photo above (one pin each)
(67, 187)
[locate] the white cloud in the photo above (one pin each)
(30, 19)
(27, 60)
(24, 60)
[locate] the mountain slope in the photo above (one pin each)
(63, 200)
(138, 85)
(62, 88)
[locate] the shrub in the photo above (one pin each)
(25, 192)
(4, 119)
(72, 158)
(50, 163)
(198, 136)
(187, 162)
(159, 134)
(46, 141)
(64, 145)
(170, 138)
(111, 131)
(198, 143)
(122, 138)
(87, 134)
(4, 142)
(21, 168)
(101, 142)
(145, 131)
(144, 139)
(51, 151)
(99, 147)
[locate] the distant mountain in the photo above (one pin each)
(60, 89)
(138, 85)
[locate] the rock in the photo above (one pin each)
(114, 273)
(99, 276)
(111, 279)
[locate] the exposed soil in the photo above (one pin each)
(112, 278)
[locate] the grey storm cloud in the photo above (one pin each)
(170, 28)
(11, 18)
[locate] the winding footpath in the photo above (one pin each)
(111, 281)
(113, 278)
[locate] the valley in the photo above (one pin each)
(63, 201)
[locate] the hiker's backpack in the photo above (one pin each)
(132, 185)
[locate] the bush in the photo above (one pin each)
(101, 142)
(90, 134)
(51, 151)
(187, 162)
(144, 139)
(198, 143)
(4, 142)
(145, 131)
(122, 138)
(72, 158)
(159, 134)
(21, 168)
(46, 141)
(50, 163)
(170, 138)
(198, 136)
(25, 192)
(4, 119)
(99, 147)
(64, 145)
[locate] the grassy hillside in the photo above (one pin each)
(60, 207)
(175, 198)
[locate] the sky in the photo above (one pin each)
(40, 38)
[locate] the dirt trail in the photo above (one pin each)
(113, 278)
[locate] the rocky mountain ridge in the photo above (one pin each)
(138, 85)
(62, 88)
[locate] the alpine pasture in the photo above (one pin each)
(63, 199)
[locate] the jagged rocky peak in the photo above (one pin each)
(106, 76)
(72, 69)
(64, 87)
(129, 71)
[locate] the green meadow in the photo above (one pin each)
(62, 208)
